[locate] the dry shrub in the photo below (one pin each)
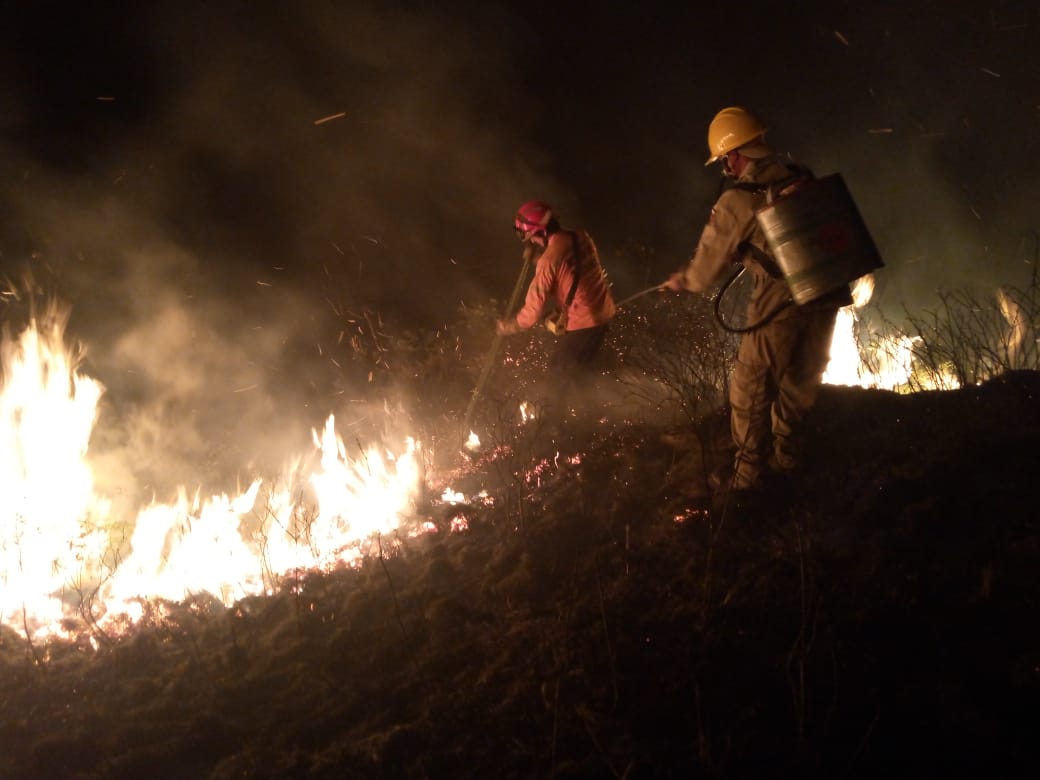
(966, 340)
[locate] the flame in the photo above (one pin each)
(845, 366)
(526, 412)
(892, 363)
(862, 291)
(47, 410)
(450, 496)
(1018, 322)
(65, 560)
(64, 557)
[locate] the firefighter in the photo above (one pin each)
(780, 364)
(571, 288)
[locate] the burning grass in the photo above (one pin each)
(572, 607)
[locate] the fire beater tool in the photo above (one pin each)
(489, 360)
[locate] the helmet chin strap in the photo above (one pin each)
(735, 170)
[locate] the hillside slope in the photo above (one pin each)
(598, 620)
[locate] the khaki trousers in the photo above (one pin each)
(774, 383)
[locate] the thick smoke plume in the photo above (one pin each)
(222, 193)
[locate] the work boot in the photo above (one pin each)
(781, 464)
(720, 478)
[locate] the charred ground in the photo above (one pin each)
(599, 621)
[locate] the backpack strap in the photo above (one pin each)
(557, 323)
(797, 173)
(577, 269)
(763, 258)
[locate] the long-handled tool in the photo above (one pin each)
(640, 294)
(489, 361)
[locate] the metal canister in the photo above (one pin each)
(818, 238)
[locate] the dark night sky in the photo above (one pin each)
(162, 161)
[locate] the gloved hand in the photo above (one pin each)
(674, 282)
(506, 327)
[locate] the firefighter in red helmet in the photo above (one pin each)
(782, 357)
(571, 287)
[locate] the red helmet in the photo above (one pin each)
(532, 219)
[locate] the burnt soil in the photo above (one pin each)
(877, 617)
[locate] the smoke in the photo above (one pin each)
(218, 189)
(931, 125)
(217, 192)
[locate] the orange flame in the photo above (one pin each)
(892, 357)
(62, 553)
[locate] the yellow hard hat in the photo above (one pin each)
(730, 129)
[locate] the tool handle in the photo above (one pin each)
(640, 294)
(489, 360)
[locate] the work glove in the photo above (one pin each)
(506, 327)
(675, 282)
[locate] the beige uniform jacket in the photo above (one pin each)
(732, 222)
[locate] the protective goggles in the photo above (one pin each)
(523, 227)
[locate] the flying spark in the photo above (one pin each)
(329, 118)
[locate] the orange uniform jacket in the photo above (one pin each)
(593, 303)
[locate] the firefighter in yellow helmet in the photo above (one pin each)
(780, 363)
